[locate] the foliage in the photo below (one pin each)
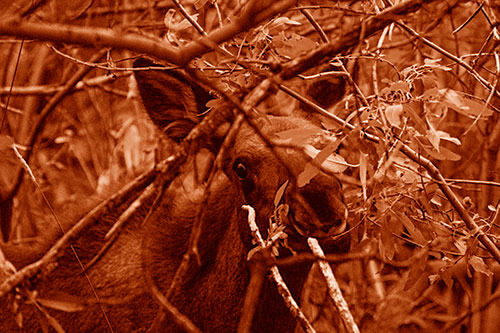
(425, 81)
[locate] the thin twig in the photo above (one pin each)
(451, 56)
(192, 252)
(44, 114)
(315, 24)
(51, 89)
(275, 274)
(57, 249)
(250, 17)
(180, 319)
(114, 231)
(350, 38)
(333, 288)
(73, 250)
(189, 18)
(433, 171)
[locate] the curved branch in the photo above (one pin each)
(97, 37)
(351, 37)
(111, 38)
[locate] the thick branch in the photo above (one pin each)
(110, 38)
(351, 37)
(97, 37)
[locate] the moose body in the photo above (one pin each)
(212, 296)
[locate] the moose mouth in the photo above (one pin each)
(312, 213)
(327, 230)
(333, 239)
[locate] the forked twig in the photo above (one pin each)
(275, 274)
(251, 16)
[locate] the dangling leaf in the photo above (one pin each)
(386, 245)
(415, 234)
(458, 101)
(479, 266)
(417, 269)
(298, 136)
(363, 167)
(279, 193)
(292, 45)
(323, 158)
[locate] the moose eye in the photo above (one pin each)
(240, 169)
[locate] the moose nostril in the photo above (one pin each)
(327, 228)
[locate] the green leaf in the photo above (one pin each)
(386, 245)
(434, 63)
(280, 24)
(444, 154)
(433, 137)
(458, 101)
(419, 124)
(292, 45)
(324, 159)
(476, 109)
(415, 233)
(310, 171)
(446, 136)
(253, 251)
(62, 303)
(401, 85)
(363, 167)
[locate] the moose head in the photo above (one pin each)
(259, 163)
(252, 172)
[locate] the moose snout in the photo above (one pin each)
(319, 211)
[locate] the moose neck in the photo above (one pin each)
(212, 294)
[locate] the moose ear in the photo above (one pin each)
(172, 100)
(325, 90)
(328, 91)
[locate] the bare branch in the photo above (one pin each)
(351, 37)
(275, 274)
(52, 89)
(333, 288)
(134, 42)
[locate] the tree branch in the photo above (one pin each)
(351, 37)
(99, 37)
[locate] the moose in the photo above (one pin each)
(212, 295)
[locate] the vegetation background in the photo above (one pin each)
(419, 75)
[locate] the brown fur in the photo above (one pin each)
(213, 295)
